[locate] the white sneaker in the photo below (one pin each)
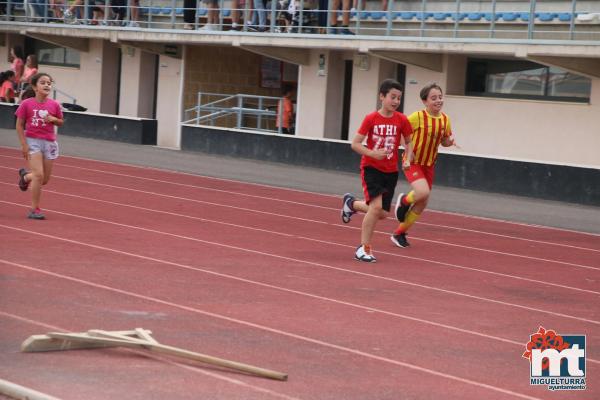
(133, 24)
(188, 27)
(207, 27)
(364, 255)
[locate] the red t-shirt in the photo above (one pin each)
(383, 132)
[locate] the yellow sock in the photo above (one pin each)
(410, 197)
(411, 218)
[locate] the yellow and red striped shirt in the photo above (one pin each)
(428, 132)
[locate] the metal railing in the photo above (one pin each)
(240, 111)
(526, 19)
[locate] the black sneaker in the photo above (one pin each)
(401, 209)
(347, 209)
(23, 185)
(36, 214)
(400, 240)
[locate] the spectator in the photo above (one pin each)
(134, 13)
(7, 90)
(259, 16)
(285, 111)
(333, 17)
(31, 68)
(189, 14)
(212, 17)
(16, 58)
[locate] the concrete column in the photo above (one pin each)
(110, 71)
(137, 91)
(312, 95)
(365, 87)
(169, 100)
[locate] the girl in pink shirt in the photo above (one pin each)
(16, 58)
(31, 68)
(36, 121)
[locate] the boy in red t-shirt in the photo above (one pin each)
(383, 130)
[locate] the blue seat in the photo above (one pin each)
(490, 16)
(546, 17)
(459, 16)
(407, 16)
(565, 17)
(226, 13)
(144, 10)
(179, 11)
(364, 14)
(524, 16)
(439, 16)
(155, 10)
(509, 16)
(475, 16)
(166, 11)
(202, 12)
(377, 15)
(423, 16)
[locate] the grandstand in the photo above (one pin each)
(522, 78)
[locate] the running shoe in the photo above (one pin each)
(23, 185)
(347, 209)
(364, 255)
(36, 214)
(401, 209)
(400, 240)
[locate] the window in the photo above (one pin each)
(525, 80)
(50, 54)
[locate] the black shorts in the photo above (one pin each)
(376, 182)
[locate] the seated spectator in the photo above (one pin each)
(7, 90)
(31, 68)
(16, 58)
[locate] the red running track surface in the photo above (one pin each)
(266, 276)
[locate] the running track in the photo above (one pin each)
(266, 276)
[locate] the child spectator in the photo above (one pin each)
(7, 90)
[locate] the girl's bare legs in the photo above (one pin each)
(39, 175)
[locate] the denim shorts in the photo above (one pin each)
(48, 149)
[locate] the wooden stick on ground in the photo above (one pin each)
(138, 338)
(15, 391)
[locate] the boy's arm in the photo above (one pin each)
(358, 147)
(21, 132)
(408, 151)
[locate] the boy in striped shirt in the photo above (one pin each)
(431, 128)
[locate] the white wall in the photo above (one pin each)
(85, 86)
(563, 133)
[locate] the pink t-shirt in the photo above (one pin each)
(7, 92)
(33, 113)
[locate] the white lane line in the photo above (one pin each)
(433, 288)
(316, 194)
(278, 332)
(156, 357)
